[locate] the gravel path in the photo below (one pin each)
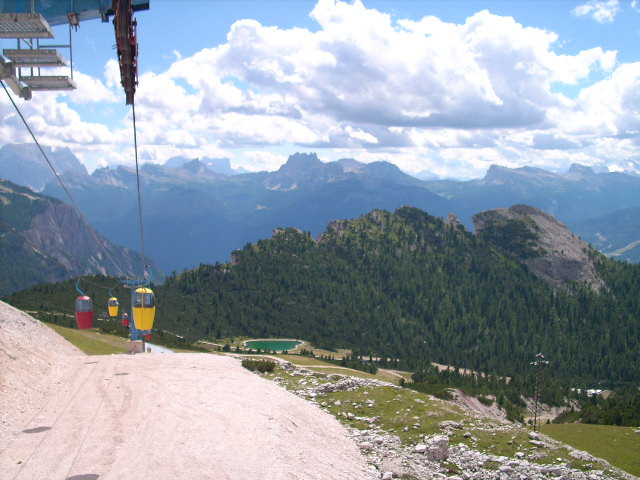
(179, 416)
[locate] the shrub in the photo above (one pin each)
(259, 365)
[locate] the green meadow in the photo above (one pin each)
(620, 446)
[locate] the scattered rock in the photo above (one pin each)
(367, 446)
(391, 459)
(581, 455)
(437, 447)
(450, 425)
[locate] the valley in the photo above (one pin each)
(331, 239)
(480, 291)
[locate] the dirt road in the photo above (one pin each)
(178, 416)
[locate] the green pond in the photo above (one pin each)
(270, 345)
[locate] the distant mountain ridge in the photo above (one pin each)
(195, 213)
(574, 198)
(43, 240)
(615, 234)
(216, 165)
(23, 164)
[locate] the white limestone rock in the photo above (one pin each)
(437, 447)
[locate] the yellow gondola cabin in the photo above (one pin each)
(144, 308)
(113, 305)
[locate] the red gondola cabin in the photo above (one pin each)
(84, 313)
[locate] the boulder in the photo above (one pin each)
(450, 424)
(394, 466)
(581, 455)
(437, 447)
(366, 446)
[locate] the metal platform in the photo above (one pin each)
(24, 25)
(44, 57)
(45, 82)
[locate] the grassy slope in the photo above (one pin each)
(92, 342)
(317, 365)
(398, 409)
(620, 446)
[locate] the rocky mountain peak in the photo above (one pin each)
(349, 165)
(504, 175)
(454, 221)
(303, 170)
(541, 242)
(23, 164)
(217, 165)
(580, 169)
(496, 173)
(195, 167)
(301, 162)
(579, 172)
(384, 169)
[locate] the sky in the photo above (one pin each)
(442, 89)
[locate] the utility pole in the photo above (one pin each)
(537, 364)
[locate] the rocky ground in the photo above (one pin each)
(181, 416)
(453, 449)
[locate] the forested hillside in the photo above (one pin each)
(409, 286)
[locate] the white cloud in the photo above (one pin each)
(602, 11)
(363, 81)
(91, 90)
(259, 160)
(425, 94)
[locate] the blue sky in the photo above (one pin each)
(441, 88)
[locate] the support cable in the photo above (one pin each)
(91, 230)
(135, 146)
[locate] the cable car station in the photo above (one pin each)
(30, 22)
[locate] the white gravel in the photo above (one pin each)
(180, 416)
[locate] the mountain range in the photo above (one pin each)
(198, 211)
(44, 240)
